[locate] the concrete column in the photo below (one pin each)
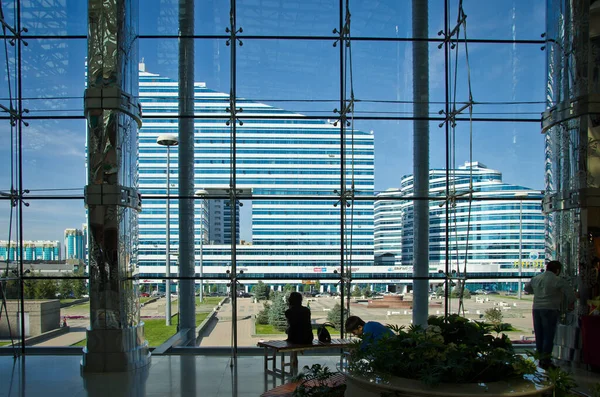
(420, 15)
(187, 297)
(572, 200)
(115, 339)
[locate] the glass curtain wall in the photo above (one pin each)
(306, 110)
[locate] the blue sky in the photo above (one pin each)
(290, 74)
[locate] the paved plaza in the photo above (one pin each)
(219, 330)
(516, 312)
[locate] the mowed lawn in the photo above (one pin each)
(210, 300)
(157, 332)
(268, 329)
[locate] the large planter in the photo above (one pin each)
(357, 386)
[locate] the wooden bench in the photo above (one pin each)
(273, 347)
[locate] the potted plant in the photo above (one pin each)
(450, 357)
(319, 381)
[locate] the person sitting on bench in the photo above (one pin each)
(371, 331)
(299, 328)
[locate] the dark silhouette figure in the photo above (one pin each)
(299, 328)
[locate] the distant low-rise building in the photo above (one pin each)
(32, 250)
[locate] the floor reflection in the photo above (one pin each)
(185, 375)
(181, 375)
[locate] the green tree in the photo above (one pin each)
(366, 292)
(66, 287)
(288, 288)
(263, 316)
(45, 289)
(335, 315)
(11, 287)
(80, 287)
(29, 288)
(261, 291)
(277, 311)
(213, 288)
(317, 286)
(356, 292)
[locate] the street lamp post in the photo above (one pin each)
(521, 195)
(201, 193)
(168, 140)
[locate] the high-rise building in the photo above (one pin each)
(286, 157)
(74, 244)
(32, 250)
(496, 231)
(219, 231)
(84, 229)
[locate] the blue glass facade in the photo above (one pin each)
(32, 251)
(274, 157)
(75, 244)
(487, 235)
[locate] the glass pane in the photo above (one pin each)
(505, 79)
(507, 147)
(43, 140)
(273, 72)
(504, 20)
(160, 57)
(54, 77)
(392, 19)
(47, 221)
(159, 76)
(265, 18)
(382, 79)
(53, 18)
(161, 17)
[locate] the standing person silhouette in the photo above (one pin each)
(548, 291)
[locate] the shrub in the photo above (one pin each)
(459, 290)
(263, 316)
(452, 350)
(335, 316)
(493, 315)
(439, 291)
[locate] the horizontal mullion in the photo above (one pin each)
(293, 197)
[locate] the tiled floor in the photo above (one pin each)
(186, 375)
(175, 375)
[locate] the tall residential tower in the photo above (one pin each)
(295, 156)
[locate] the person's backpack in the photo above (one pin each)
(323, 333)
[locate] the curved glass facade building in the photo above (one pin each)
(496, 231)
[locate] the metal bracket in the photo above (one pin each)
(566, 110)
(562, 201)
(113, 98)
(113, 195)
